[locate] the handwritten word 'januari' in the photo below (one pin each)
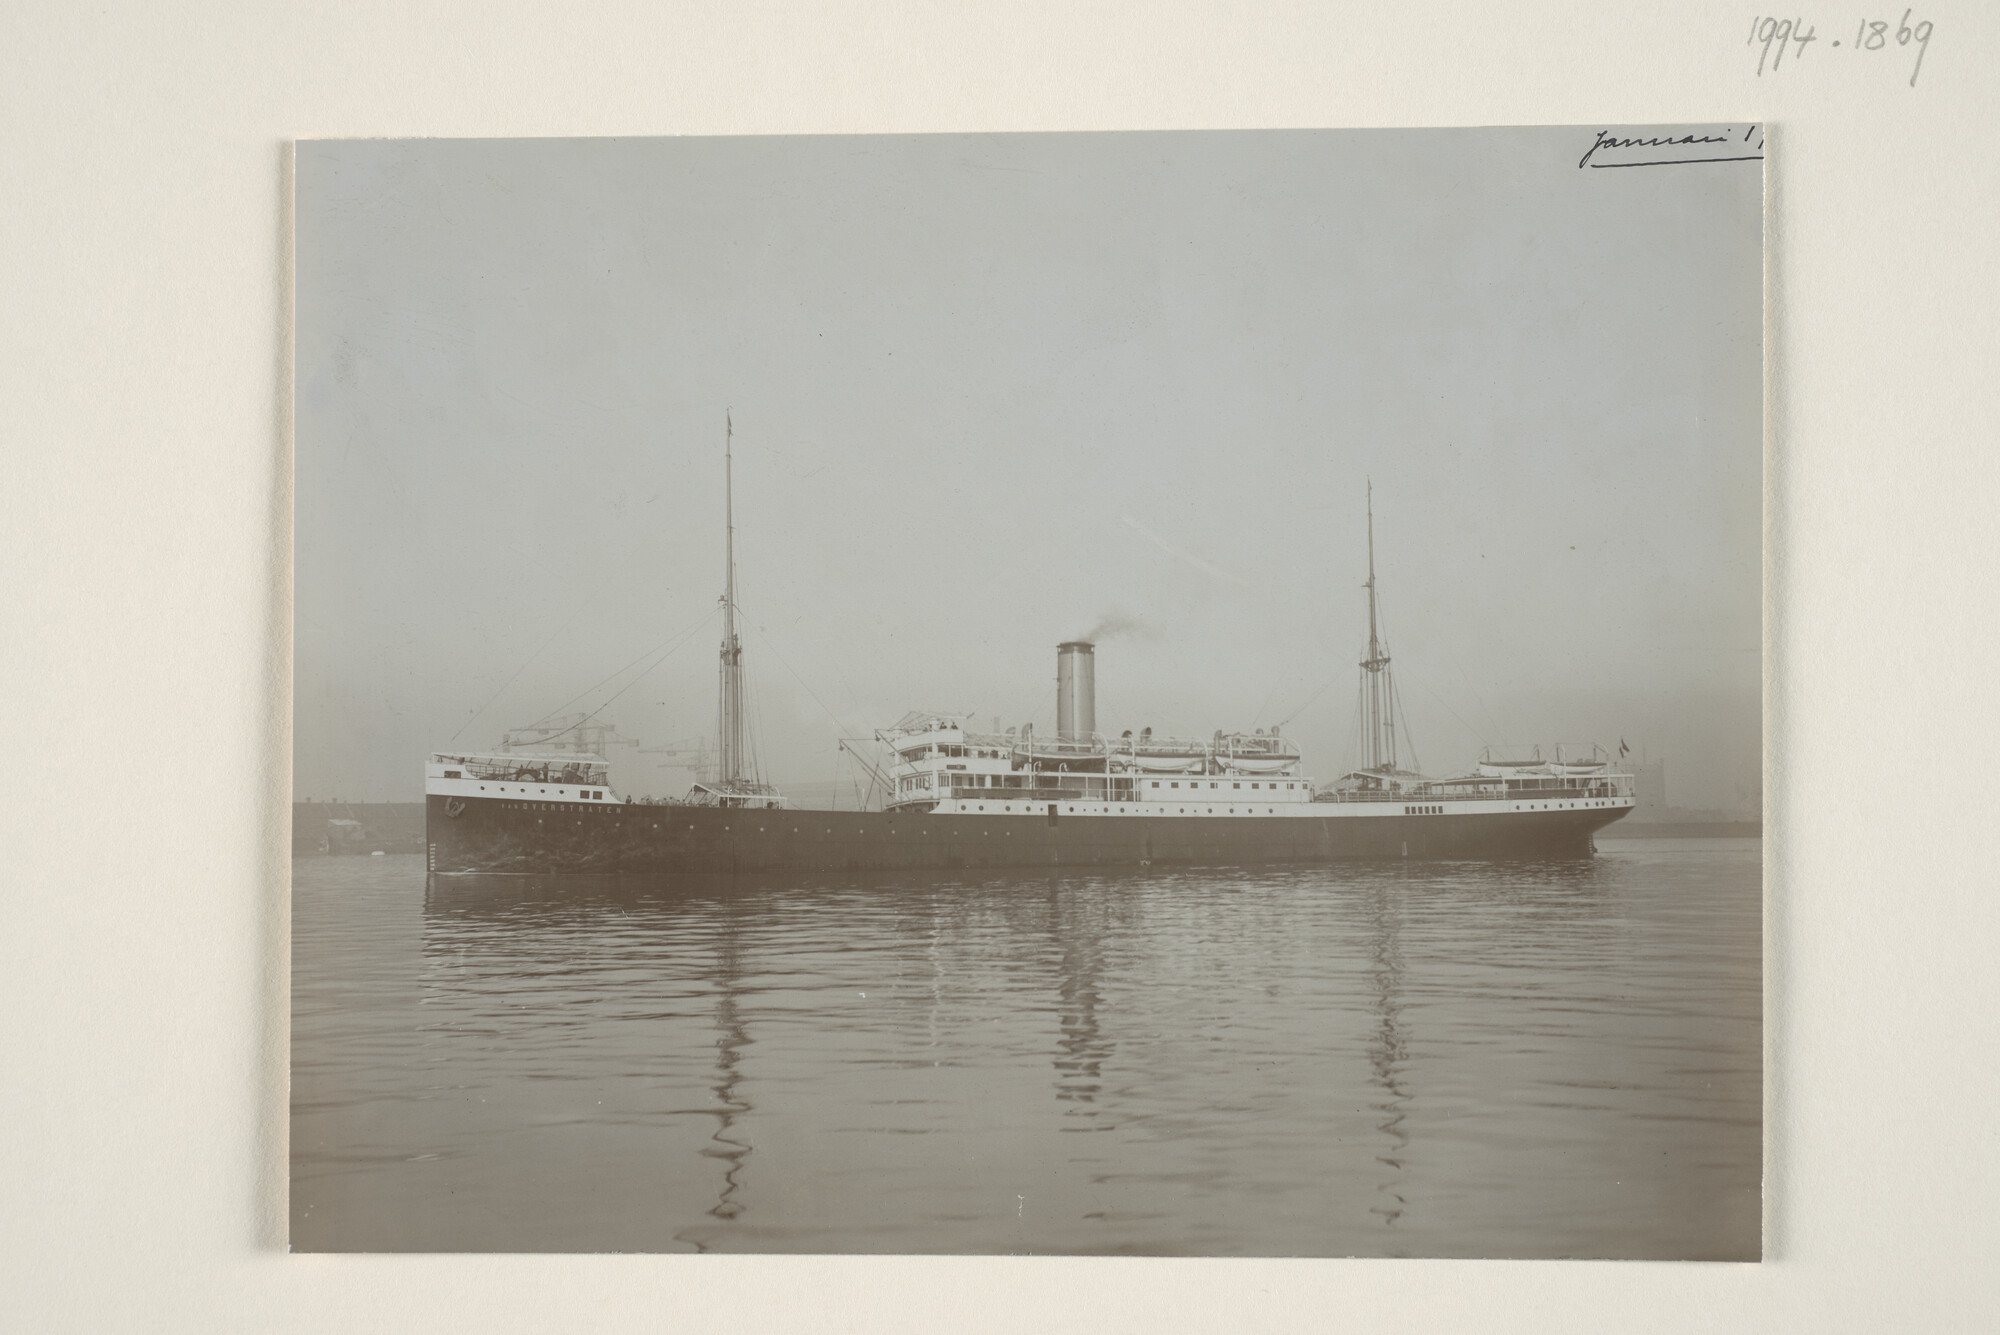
(1671, 150)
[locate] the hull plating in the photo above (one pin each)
(487, 836)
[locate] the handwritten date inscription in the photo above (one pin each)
(1775, 38)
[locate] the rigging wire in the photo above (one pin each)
(580, 609)
(644, 673)
(1478, 699)
(1258, 717)
(765, 641)
(621, 671)
(1409, 740)
(1323, 688)
(1355, 760)
(1396, 709)
(756, 731)
(1453, 712)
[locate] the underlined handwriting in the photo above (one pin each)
(1726, 143)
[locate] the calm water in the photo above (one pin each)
(1446, 1060)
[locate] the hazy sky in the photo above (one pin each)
(990, 389)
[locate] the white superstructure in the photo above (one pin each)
(941, 765)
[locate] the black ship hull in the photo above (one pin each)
(486, 835)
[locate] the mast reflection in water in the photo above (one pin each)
(732, 1039)
(1386, 1051)
(1442, 1060)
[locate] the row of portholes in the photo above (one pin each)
(582, 794)
(1272, 811)
(1137, 811)
(795, 829)
(1273, 787)
(1562, 806)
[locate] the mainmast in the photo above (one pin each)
(1377, 689)
(730, 744)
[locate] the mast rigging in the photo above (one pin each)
(1378, 702)
(730, 746)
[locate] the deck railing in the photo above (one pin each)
(1517, 795)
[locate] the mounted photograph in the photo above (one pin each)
(1130, 693)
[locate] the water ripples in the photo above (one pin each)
(1447, 1059)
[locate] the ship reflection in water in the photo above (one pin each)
(1077, 930)
(1444, 1060)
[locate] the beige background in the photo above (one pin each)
(144, 537)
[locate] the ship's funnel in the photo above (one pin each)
(1076, 690)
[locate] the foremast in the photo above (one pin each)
(730, 741)
(736, 783)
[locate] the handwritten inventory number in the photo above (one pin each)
(1780, 35)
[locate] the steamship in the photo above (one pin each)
(961, 798)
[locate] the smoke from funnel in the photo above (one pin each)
(1113, 624)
